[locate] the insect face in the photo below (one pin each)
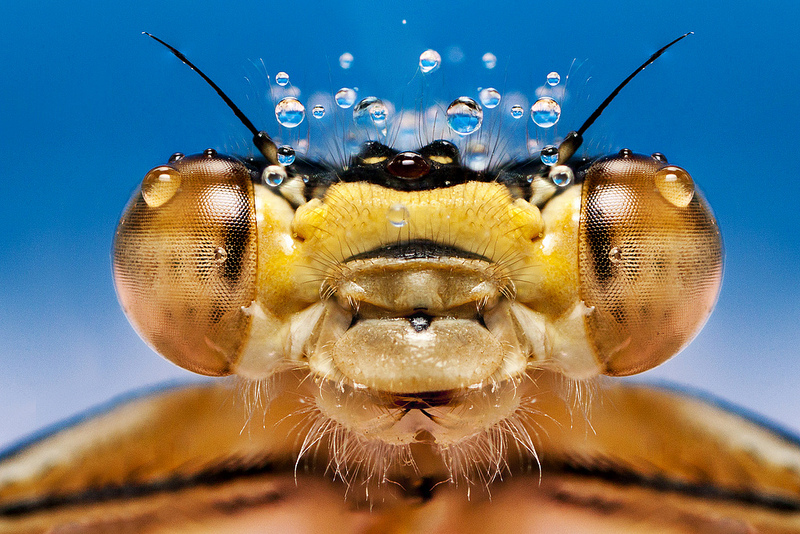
(424, 299)
(418, 296)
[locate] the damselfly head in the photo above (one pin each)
(427, 267)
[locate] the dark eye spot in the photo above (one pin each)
(408, 165)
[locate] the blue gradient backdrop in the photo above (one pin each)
(88, 105)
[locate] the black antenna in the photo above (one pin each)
(261, 139)
(573, 140)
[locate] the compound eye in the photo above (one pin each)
(185, 261)
(650, 261)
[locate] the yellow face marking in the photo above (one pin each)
(524, 274)
(480, 218)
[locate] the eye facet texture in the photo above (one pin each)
(650, 261)
(185, 264)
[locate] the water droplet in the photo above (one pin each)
(489, 60)
(549, 155)
(420, 324)
(615, 255)
(318, 111)
(285, 155)
(658, 156)
(490, 97)
(545, 112)
(675, 185)
(517, 112)
(477, 159)
(282, 79)
(346, 60)
(160, 185)
(177, 156)
(561, 175)
(455, 54)
(464, 115)
(398, 215)
(274, 175)
(626, 152)
(220, 255)
(369, 109)
(429, 60)
(290, 112)
(553, 78)
(209, 152)
(345, 97)
(378, 113)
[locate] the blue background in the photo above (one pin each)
(89, 105)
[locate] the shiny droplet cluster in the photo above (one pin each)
(452, 117)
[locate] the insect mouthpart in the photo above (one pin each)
(408, 321)
(421, 323)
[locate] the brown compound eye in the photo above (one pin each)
(650, 260)
(185, 260)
